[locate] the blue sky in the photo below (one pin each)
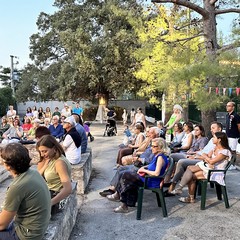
(18, 22)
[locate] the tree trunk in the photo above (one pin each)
(207, 118)
(210, 39)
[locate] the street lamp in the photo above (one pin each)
(13, 74)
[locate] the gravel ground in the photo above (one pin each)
(96, 219)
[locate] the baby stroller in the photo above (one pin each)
(111, 128)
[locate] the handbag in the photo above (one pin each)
(174, 145)
(56, 207)
(204, 166)
(138, 164)
(142, 174)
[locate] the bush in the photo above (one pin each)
(118, 111)
(89, 114)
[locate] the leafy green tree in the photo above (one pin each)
(208, 10)
(166, 50)
(6, 99)
(83, 49)
(5, 76)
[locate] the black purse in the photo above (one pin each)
(138, 164)
(174, 145)
(56, 207)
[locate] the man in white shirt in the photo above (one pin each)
(72, 141)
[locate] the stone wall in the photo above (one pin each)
(81, 172)
(61, 224)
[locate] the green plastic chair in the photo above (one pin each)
(201, 185)
(158, 191)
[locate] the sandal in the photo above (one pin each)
(113, 197)
(177, 191)
(120, 209)
(187, 199)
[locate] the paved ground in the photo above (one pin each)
(96, 219)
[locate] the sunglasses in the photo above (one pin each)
(153, 146)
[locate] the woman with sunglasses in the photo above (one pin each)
(129, 182)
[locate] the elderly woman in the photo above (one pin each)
(55, 168)
(13, 134)
(129, 182)
(31, 132)
(27, 205)
(175, 118)
(216, 159)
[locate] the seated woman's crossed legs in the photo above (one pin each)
(128, 160)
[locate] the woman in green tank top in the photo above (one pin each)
(55, 168)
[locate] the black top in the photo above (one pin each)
(232, 120)
(110, 113)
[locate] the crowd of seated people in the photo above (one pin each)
(188, 148)
(13, 130)
(56, 155)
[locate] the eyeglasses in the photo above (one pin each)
(153, 146)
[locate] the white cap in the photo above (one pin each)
(70, 120)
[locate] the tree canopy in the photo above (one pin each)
(183, 56)
(83, 49)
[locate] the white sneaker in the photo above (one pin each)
(232, 167)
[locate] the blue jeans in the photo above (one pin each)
(9, 233)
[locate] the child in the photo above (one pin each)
(127, 137)
(86, 126)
